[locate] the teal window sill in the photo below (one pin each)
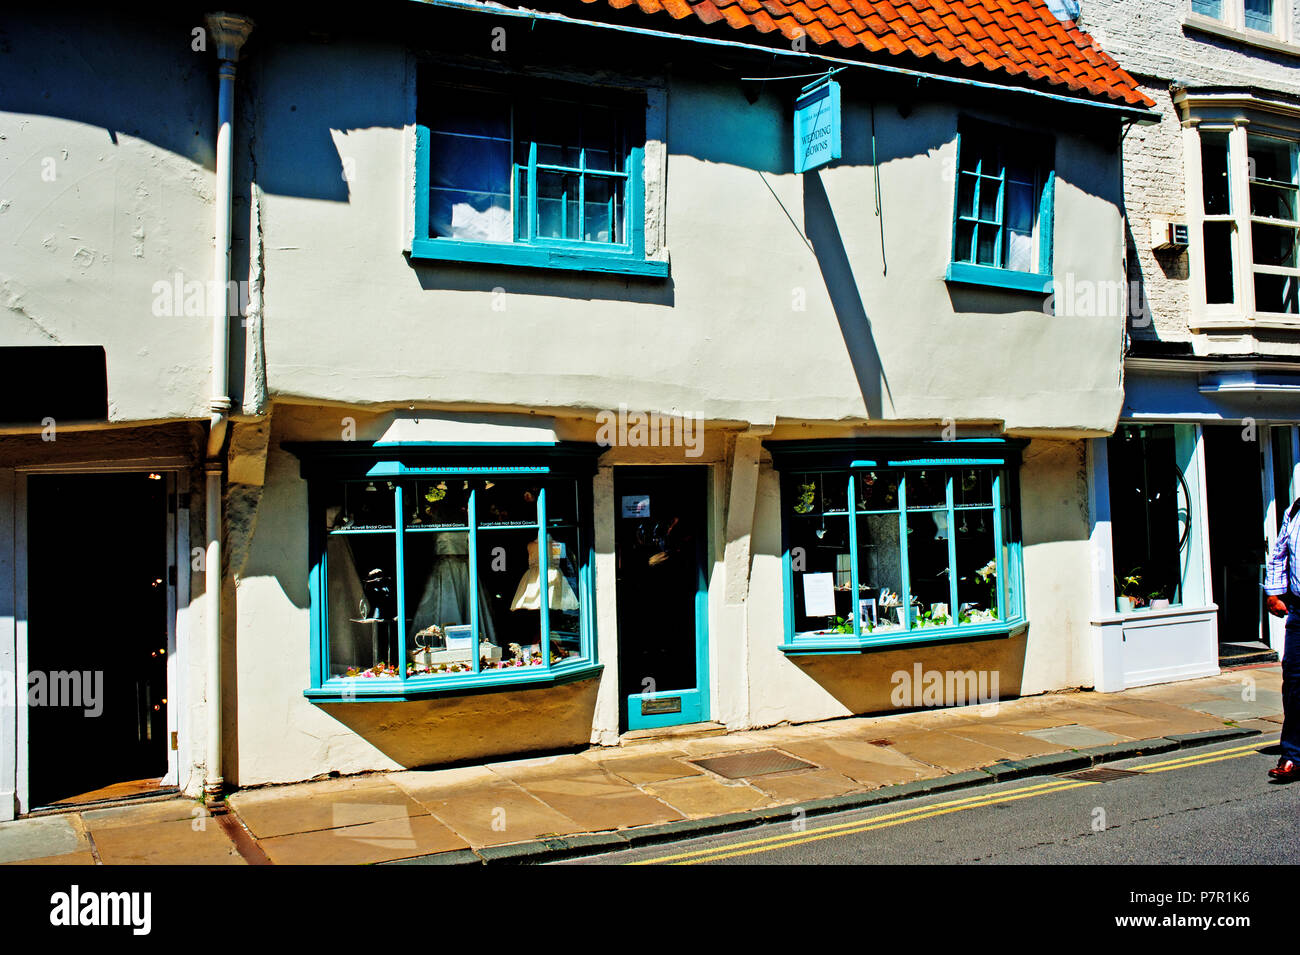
(392, 690)
(843, 643)
(963, 273)
(537, 256)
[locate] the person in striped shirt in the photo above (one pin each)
(1282, 585)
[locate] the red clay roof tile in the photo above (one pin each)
(845, 37)
(1013, 37)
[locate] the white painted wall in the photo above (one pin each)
(106, 188)
(350, 320)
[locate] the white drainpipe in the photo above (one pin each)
(229, 31)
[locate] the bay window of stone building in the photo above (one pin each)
(1243, 183)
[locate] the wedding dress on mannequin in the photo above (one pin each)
(528, 595)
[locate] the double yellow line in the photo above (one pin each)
(1200, 759)
(916, 813)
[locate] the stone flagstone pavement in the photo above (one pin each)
(386, 817)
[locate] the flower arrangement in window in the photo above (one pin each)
(936, 616)
(969, 613)
(378, 671)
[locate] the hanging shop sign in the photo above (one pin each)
(817, 126)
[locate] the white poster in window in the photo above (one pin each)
(867, 610)
(636, 505)
(819, 595)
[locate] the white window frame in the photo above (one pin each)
(1233, 25)
(1239, 115)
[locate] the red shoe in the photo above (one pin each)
(1286, 770)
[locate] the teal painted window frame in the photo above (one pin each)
(323, 462)
(1000, 456)
(528, 251)
(1039, 148)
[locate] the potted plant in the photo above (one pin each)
(1157, 601)
(1129, 591)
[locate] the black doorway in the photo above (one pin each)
(97, 633)
(1235, 509)
(660, 540)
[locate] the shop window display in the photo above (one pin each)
(878, 554)
(1153, 491)
(430, 578)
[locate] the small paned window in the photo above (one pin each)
(530, 173)
(1273, 223)
(1004, 201)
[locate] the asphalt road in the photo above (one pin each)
(1213, 805)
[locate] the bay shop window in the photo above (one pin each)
(898, 544)
(442, 570)
(1154, 482)
(1249, 224)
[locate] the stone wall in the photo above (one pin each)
(1152, 42)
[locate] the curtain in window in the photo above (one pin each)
(1259, 15)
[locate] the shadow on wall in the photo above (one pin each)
(581, 286)
(1140, 325)
(478, 726)
(78, 70)
(1053, 493)
(845, 296)
(973, 300)
(887, 681)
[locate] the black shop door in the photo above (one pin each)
(97, 633)
(660, 538)
(1235, 506)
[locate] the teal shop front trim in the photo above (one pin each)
(354, 689)
(373, 459)
(845, 647)
(694, 707)
(963, 273)
(691, 706)
(839, 464)
(322, 462)
(815, 454)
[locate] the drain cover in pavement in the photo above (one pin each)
(1102, 774)
(758, 763)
